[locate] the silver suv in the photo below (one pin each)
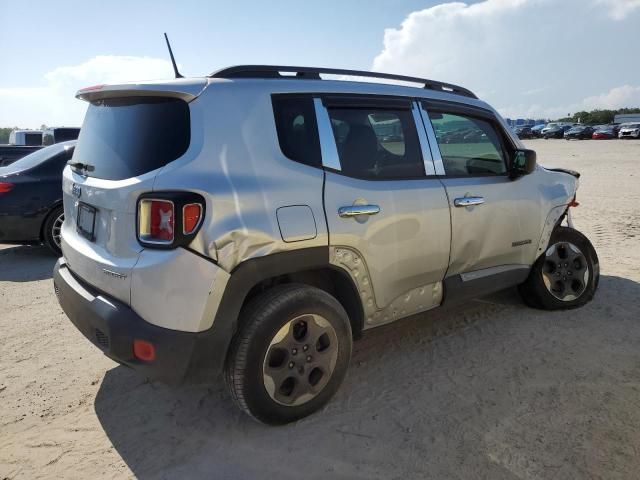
(256, 221)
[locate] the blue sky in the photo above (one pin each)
(526, 57)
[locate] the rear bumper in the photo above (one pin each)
(112, 326)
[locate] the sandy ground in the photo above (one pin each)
(492, 390)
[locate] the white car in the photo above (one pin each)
(629, 130)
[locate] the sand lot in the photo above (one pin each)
(491, 390)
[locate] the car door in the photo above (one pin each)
(495, 220)
(387, 213)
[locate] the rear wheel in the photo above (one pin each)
(566, 275)
(290, 355)
(52, 230)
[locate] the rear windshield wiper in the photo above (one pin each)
(82, 166)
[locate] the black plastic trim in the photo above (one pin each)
(564, 170)
(379, 102)
(181, 356)
(457, 291)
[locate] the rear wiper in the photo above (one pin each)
(81, 166)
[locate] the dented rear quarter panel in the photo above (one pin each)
(244, 176)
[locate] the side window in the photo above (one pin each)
(468, 145)
(377, 143)
(297, 129)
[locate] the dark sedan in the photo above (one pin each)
(582, 132)
(557, 131)
(524, 132)
(31, 197)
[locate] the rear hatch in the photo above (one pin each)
(128, 135)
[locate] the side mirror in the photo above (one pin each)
(524, 162)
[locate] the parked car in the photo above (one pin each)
(25, 137)
(556, 132)
(11, 153)
(536, 130)
(523, 132)
(550, 126)
(581, 132)
(604, 133)
(59, 134)
(31, 197)
(263, 224)
(629, 130)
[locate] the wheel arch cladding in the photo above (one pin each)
(308, 265)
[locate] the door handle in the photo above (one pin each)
(468, 201)
(355, 210)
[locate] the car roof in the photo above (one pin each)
(309, 81)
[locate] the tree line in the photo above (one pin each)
(598, 117)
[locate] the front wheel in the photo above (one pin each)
(290, 355)
(566, 275)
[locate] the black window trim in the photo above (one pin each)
(456, 108)
(365, 101)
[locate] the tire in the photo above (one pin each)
(553, 285)
(51, 230)
(276, 316)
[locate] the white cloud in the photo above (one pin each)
(526, 57)
(619, 9)
(615, 98)
(618, 97)
(54, 103)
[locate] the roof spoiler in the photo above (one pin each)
(185, 89)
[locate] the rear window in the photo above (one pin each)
(58, 135)
(126, 137)
(33, 139)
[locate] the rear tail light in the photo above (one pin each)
(191, 215)
(156, 221)
(168, 219)
(5, 187)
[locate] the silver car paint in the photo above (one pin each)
(236, 163)
(176, 289)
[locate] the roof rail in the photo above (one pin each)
(313, 73)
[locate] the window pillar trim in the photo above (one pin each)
(425, 146)
(433, 144)
(328, 147)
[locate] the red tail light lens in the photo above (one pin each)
(191, 214)
(156, 221)
(169, 219)
(5, 187)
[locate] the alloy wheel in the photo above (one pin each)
(56, 229)
(300, 359)
(565, 271)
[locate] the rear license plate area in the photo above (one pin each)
(86, 221)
